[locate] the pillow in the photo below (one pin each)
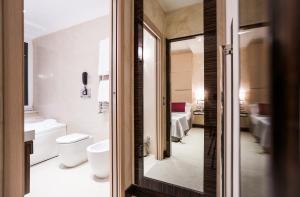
(178, 107)
(264, 109)
(253, 109)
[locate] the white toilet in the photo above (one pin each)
(72, 149)
(98, 156)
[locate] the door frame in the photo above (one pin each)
(168, 151)
(12, 106)
(12, 168)
(150, 27)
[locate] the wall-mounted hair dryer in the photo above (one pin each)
(85, 92)
(84, 78)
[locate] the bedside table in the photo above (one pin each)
(198, 118)
(244, 121)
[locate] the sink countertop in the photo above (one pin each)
(29, 135)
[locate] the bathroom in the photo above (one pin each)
(67, 97)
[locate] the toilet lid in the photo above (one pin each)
(71, 138)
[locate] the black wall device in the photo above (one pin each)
(85, 78)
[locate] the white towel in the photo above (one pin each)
(104, 56)
(103, 92)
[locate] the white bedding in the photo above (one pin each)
(261, 126)
(262, 129)
(180, 121)
(179, 125)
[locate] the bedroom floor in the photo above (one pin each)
(48, 179)
(177, 169)
(255, 171)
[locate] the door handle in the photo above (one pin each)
(225, 50)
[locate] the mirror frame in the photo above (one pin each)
(210, 117)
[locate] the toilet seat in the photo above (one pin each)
(72, 138)
(72, 149)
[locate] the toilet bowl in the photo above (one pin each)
(72, 149)
(98, 156)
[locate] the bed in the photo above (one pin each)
(181, 121)
(260, 126)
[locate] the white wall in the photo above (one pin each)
(187, 76)
(150, 115)
(59, 60)
(198, 76)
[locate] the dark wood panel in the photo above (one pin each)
(210, 103)
(27, 153)
(135, 190)
(168, 98)
(285, 72)
(253, 26)
(138, 92)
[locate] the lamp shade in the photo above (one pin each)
(242, 95)
(200, 94)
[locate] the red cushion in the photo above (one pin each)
(264, 109)
(178, 107)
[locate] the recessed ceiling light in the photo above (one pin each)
(243, 32)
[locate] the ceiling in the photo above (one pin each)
(195, 45)
(252, 35)
(42, 17)
(170, 5)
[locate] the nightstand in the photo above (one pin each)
(244, 121)
(198, 118)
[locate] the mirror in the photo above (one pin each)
(255, 100)
(173, 87)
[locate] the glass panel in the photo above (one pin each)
(174, 80)
(255, 100)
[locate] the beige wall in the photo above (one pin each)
(178, 23)
(187, 76)
(253, 11)
(185, 21)
(198, 75)
(59, 60)
(181, 77)
(156, 14)
(255, 75)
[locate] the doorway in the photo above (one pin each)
(67, 83)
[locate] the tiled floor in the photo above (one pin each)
(255, 168)
(49, 179)
(185, 167)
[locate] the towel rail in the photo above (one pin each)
(103, 77)
(103, 106)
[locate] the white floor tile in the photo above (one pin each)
(49, 179)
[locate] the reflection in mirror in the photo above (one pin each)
(255, 97)
(187, 113)
(150, 117)
(178, 159)
(255, 117)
